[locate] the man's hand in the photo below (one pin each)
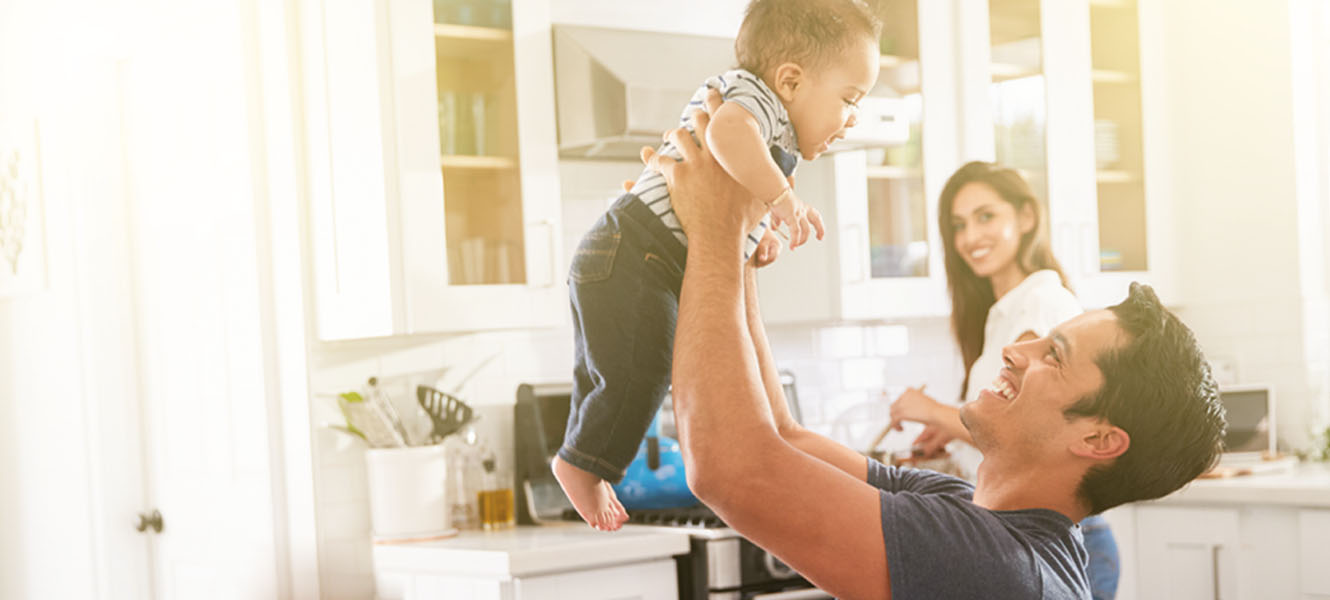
(699, 180)
(768, 250)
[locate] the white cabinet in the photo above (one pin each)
(1230, 551)
(558, 562)
(1188, 553)
(434, 203)
(1055, 89)
(881, 258)
(654, 580)
(1076, 109)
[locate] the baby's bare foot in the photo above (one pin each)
(592, 496)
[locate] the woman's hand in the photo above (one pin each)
(914, 405)
(932, 443)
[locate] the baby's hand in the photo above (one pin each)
(788, 209)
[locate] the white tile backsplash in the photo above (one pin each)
(841, 342)
(863, 373)
(890, 340)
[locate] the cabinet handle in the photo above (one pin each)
(553, 254)
(1214, 570)
(550, 255)
(1091, 249)
(855, 258)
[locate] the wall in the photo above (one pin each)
(52, 380)
(1234, 169)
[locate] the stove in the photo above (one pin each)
(720, 564)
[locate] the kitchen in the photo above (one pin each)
(238, 218)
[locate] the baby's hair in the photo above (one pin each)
(809, 33)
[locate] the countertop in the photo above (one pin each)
(1306, 484)
(531, 550)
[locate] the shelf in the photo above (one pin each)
(1006, 71)
(1115, 176)
(893, 172)
(468, 41)
(899, 73)
(458, 161)
(1111, 76)
(891, 61)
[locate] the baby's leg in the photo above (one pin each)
(624, 286)
(592, 496)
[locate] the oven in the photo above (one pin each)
(720, 563)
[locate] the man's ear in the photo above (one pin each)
(790, 80)
(1102, 441)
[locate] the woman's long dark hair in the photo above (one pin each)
(971, 295)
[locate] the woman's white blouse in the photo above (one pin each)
(1037, 304)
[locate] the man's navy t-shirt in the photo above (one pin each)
(941, 545)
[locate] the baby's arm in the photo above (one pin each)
(736, 141)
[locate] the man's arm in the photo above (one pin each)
(809, 442)
(813, 516)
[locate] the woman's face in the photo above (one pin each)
(987, 229)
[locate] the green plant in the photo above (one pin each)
(1319, 450)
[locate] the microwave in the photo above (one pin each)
(1250, 412)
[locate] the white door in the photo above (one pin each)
(195, 269)
(139, 370)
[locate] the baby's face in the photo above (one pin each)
(828, 105)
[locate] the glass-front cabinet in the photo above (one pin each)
(881, 258)
(441, 209)
(1068, 110)
(474, 88)
(1055, 89)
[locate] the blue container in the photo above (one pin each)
(655, 478)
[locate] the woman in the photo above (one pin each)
(1006, 287)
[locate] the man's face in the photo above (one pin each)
(1019, 414)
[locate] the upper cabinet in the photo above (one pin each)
(435, 204)
(882, 258)
(1072, 108)
(1055, 89)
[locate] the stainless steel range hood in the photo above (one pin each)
(618, 90)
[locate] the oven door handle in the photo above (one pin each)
(810, 594)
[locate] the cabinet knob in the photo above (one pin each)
(153, 520)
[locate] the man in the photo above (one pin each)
(1114, 406)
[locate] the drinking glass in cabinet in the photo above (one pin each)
(898, 228)
(465, 123)
(475, 13)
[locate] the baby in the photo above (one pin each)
(804, 66)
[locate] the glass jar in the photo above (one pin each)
(496, 496)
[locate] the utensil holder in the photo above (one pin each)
(407, 499)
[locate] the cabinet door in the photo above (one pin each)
(475, 164)
(881, 258)
(889, 222)
(1129, 240)
(1187, 553)
(348, 203)
(1314, 530)
(1070, 109)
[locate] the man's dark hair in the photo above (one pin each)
(807, 32)
(1158, 388)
